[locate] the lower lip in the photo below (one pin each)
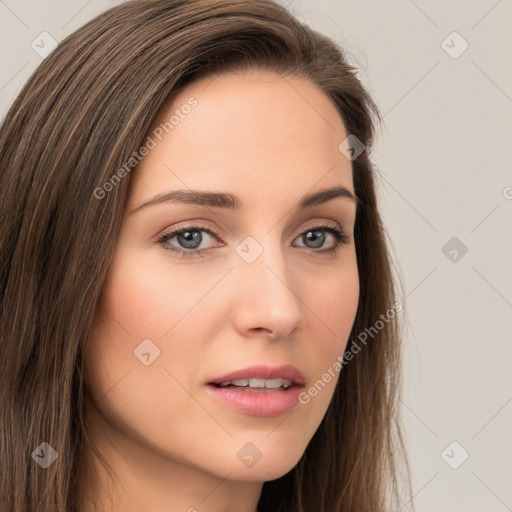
(258, 403)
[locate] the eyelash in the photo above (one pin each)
(341, 238)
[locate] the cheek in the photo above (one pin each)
(333, 310)
(148, 299)
(143, 310)
(142, 400)
(333, 307)
(339, 302)
(140, 299)
(144, 301)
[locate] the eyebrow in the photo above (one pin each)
(233, 202)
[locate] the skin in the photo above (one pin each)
(269, 140)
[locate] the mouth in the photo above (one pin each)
(257, 385)
(259, 390)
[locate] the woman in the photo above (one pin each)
(198, 310)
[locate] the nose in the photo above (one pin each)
(267, 296)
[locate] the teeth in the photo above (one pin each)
(277, 383)
(259, 383)
(256, 383)
(241, 382)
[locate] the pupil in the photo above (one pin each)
(317, 237)
(191, 239)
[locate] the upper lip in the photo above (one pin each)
(263, 371)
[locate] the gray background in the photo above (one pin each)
(444, 156)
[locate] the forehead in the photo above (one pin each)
(244, 131)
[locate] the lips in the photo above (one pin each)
(287, 372)
(257, 390)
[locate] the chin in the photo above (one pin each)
(259, 458)
(263, 471)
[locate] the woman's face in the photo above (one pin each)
(250, 285)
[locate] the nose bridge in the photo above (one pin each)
(266, 296)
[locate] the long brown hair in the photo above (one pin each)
(79, 118)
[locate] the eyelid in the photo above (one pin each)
(320, 224)
(206, 227)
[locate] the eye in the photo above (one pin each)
(188, 239)
(315, 238)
